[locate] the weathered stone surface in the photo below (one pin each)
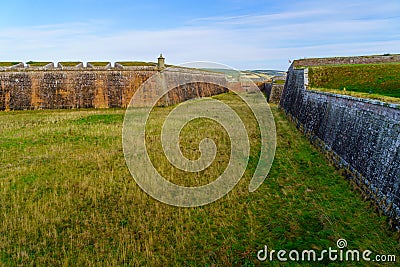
(16, 91)
(192, 84)
(272, 91)
(95, 88)
(360, 136)
(346, 60)
(53, 91)
(276, 93)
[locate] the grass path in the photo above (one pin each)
(67, 198)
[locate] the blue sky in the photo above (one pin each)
(242, 34)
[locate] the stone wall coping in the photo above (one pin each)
(117, 67)
(371, 59)
(363, 100)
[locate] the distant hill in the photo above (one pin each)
(271, 72)
(254, 75)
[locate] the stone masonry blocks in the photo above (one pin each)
(358, 135)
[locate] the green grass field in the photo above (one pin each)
(380, 79)
(67, 197)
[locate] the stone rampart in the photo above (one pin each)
(77, 87)
(361, 137)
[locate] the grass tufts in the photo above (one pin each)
(67, 197)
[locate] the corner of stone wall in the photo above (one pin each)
(118, 65)
(306, 78)
(20, 65)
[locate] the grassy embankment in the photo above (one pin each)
(136, 63)
(37, 64)
(70, 63)
(8, 64)
(375, 81)
(67, 197)
(98, 63)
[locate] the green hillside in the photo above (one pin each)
(383, 79)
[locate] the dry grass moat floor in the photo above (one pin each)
(67, 197)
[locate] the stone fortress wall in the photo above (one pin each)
(359, 136)
(50, 87)
(54, 89)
